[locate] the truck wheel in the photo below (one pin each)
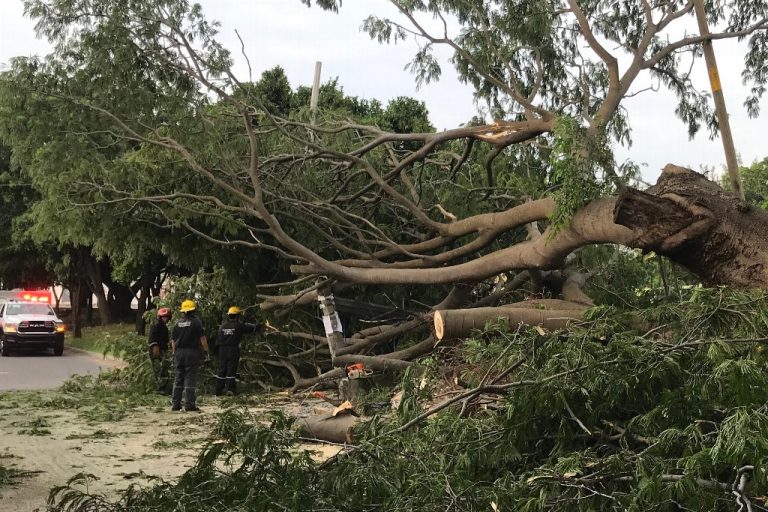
(58, 349)
(4, 348)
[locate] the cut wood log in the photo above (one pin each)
(458, 323)
(336, 429)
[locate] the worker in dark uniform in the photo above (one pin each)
(230, 334)
(190, 346)
(157, 343)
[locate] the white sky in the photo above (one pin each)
(286, 33)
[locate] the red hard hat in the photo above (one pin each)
(163, 312)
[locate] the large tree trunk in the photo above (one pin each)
(87, 303)
(119, 299)
(685, 217)
(96, 284)
(142, 305)
(75, 304)
(696, 223)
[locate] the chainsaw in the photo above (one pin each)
(357, 371)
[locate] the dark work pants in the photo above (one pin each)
(185, 378)
(229, 359)
(161, 366)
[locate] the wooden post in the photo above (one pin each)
(349, 389)
(717, 95)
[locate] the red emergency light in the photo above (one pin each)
(36, 296)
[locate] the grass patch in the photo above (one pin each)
(92, 399)
(98, 434)
(8, 455)
(10, 477)
(180, 444)
(97, 339)
(36, 427)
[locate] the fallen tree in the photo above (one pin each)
(487, 215)
(451, 216)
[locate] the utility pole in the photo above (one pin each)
(315, 87)
(717, 95)
(313, 99)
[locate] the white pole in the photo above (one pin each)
(315, 87)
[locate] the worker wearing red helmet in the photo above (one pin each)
(158, 350)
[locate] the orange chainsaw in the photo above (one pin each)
(357, 371)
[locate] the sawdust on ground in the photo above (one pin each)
(148, 442)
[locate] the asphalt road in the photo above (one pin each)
(45, 371)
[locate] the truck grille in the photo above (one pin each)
(40, 326)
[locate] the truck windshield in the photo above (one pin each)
(29, 309)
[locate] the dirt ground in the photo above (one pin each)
(149, 441)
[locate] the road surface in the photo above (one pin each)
(44, 371)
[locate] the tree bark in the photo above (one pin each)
(141, 307)
(336, 429)
(119, 300)
(75, 304)
(96, 285)
(458, 323)
(684, 216)
(86, 301)
(694, 222)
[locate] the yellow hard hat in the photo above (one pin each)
(188, 305)
(234, 310)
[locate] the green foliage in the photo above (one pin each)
(406, 115)
(12, 477)
(21, 262)
(36, 427)
(96, 434)
(214, 292)
(246, 466)
(532, 46)
(628, 279)
(577, 157)
(98, 339)
(110, 396)
(136, 376)
(605, 416)
(274, 91)
(754, 181)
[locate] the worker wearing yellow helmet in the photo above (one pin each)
(190, 346)
(230, 334)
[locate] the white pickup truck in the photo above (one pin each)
(30, 325)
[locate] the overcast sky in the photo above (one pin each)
(286, 33)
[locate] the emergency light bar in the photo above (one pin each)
(36, 296)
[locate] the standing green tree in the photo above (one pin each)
(754, 180)
(21, 263)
